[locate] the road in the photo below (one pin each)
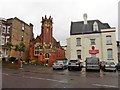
(45, 77)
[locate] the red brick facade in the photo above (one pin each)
(45, 48)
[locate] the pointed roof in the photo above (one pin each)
(81, 28)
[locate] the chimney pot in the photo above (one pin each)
(85, 18)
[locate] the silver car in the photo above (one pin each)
(108, 65)
(60, 64)
(92, 63)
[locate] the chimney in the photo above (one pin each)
(85, 18)
(31, 25)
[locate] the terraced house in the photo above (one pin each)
(4, 36)
(92, 38)
(15, 31)
(45, 48)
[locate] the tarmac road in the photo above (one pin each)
(44, 77)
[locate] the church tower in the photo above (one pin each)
(45, 49)
(46, 31)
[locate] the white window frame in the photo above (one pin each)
(2, 40)
(92, 41)
(8, 29)
(79, 53)
(108, 40)
(95, 26)
(3, 29)
(110, 53)
(36, 50)
(78, 41)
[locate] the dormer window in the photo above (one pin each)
(95, 26)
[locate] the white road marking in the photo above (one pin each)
(104, 85)
(40, 78)
(46, 79)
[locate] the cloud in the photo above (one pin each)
(62, 11)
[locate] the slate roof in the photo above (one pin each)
(81, 28)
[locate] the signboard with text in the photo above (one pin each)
(93, 51)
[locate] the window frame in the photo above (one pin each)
(92, 43)
(47, 55)
(36, 49)
(79, 54)
(110, 54)
(78, 41)
(95, 26)
(108, 40)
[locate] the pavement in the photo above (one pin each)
(34, 69)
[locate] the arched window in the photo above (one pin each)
(47, 55)
(95, 26)
(37, 48)
(79, 54)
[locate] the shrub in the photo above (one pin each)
(24, 62)
(32, 62)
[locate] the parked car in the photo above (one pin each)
(65, 63)
(60, 64)
(108, 65)
(75, 64)
(118, 66)
(92, 63)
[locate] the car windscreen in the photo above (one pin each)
(92, 60)
(65, 61)
(74, 61)
(59, 61)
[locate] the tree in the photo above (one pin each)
(8, 47)
(20, 47)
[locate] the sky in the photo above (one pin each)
(63, 13)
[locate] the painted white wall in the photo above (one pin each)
(100, 39)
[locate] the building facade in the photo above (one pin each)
(4, 36)
(119, 21)
(118, 47)
(18, 31)
(45, 48)
(92, 38)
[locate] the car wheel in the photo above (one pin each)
(86, 69)
(69, 68)
(99, 70)
(63, 68)
(79, 69)
(53, 68)
(114, 70)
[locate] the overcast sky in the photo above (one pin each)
(62, 11)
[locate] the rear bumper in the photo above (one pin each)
(58, 67)
(108, 68)
(93, 68)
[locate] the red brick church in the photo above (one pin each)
(45, 48)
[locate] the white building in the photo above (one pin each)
(91, 38)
